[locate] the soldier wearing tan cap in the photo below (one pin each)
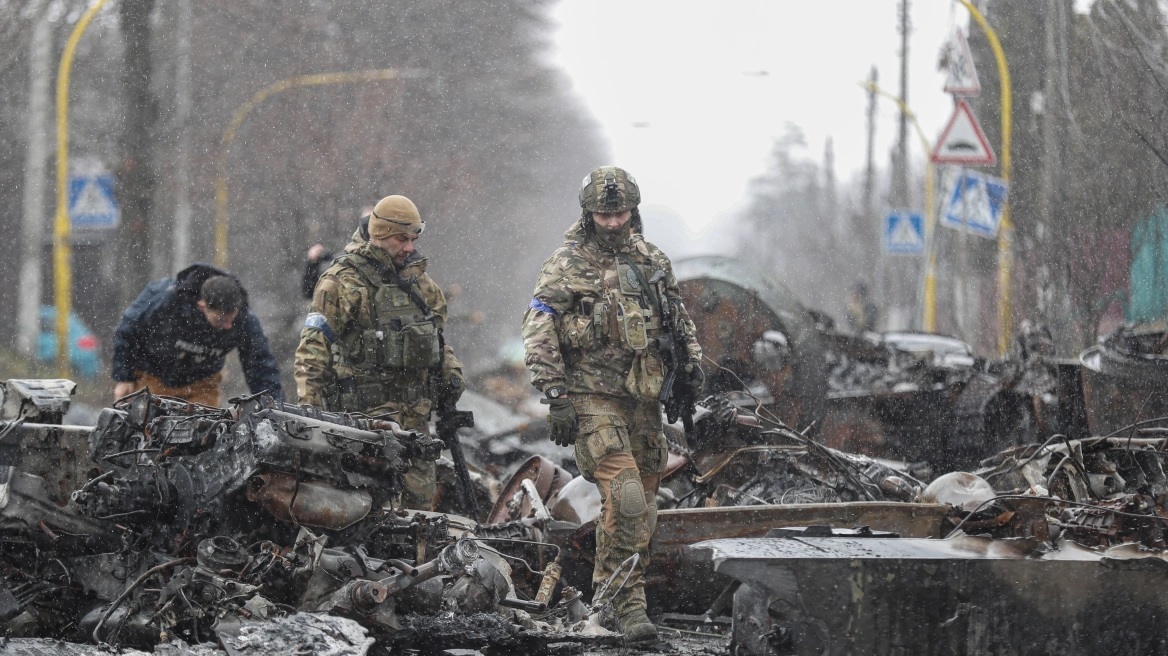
(372, 342)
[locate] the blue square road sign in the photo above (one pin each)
(904, 233)
(92, 205)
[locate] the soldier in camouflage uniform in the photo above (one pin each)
(373, 343)
(590, 337)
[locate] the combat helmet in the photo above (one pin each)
(609, 189)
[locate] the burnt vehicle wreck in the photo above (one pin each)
(1052, 547)
(740, 473)
(844, 594)
(914, 397)
(196, 525)
(1125, 379)
(803, 549)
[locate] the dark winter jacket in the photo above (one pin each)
(164, 333)
(312, 271)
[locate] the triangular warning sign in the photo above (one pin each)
(962, 141)
(92, 200)
(961, 79)
(905, 236)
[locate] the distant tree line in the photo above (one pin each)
(478, 130)
(1098, 82)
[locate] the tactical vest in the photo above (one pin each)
(625, 314)
(387, 353)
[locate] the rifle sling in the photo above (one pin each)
(390, 275)
(653, 298)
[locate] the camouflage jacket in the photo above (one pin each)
(342, 305)
(581, 330)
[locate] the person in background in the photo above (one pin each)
(174, 339)
(862, 312)
(315, 260)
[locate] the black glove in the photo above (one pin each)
(695, 379)
(561, 421)
(447, 391)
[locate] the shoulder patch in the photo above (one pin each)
(540, 306)
(317, 320)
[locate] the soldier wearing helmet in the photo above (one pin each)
(373, 343)
(592, 335)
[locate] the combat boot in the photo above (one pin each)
(636, 627)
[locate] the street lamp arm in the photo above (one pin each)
(904, 109)
(1005, 86)
(62, 244)
(241, 113)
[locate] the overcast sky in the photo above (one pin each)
(691, 95)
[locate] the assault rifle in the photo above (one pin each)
(673, 347)
(450, 419)
(447, 425)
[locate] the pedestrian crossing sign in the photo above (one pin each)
(91, 202)
(974, 204)
(904, 233)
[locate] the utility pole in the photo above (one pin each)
(870, 184)
(181, 255)
(830, 200)
(136, 175)
(899, 299)
(900, 170)
(36, 161)
(1049, 164)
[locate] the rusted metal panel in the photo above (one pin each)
(732, 304)
(309, 503)
(964, 595)
(513, 504)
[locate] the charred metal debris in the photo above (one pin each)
(914, 397)
(803, 514)
(174, 524)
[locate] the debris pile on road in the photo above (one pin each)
(903, 395)
(195, 524)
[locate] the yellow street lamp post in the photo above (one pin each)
(1006, 231)
(62, 244)
(929, 305)
(345, 77)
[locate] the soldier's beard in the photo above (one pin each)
(614, 238)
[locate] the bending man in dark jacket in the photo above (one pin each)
(175, 337)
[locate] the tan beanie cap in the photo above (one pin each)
(395, 215)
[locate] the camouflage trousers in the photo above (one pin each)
(621, 448)
(420, 482)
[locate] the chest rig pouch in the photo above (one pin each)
(618, 316)
(631, 316)
(398, 332)
(403, 337)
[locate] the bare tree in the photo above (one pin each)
(136, 175)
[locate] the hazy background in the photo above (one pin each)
(744, 123)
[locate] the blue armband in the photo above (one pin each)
(537, 304)
(317, 320)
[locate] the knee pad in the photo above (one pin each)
(629, 494)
